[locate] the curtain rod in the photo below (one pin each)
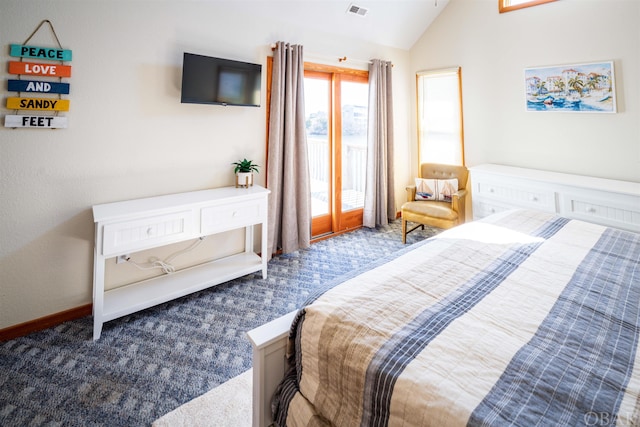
(345, 59)
(339, 59)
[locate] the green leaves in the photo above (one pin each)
(245, 166)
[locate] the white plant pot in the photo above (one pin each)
(244, 179)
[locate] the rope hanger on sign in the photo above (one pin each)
(44, 21)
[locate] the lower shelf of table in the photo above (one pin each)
(139, 296)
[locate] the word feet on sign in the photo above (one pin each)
(47, 122)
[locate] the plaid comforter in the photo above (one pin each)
(520, 319)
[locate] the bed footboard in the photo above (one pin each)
(269, 346)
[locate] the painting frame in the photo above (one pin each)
(571, 88)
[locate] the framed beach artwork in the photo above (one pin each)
(571, 88)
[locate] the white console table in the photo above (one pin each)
(607, 202)
(130, 226)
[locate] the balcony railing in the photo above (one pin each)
(354, 158)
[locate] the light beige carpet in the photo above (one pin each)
(228, 405)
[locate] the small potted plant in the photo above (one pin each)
(244, 172)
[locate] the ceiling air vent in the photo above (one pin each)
(357, 10)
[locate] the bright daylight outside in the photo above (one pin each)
(439, 120)
(354, 99)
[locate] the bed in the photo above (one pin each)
(523, 318)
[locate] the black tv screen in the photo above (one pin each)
(209, 80)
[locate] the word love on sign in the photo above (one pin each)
(40, 52)
(38, 104)
(36, 69)
(37, 86)
(48, 122)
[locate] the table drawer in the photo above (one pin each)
(600, 208)
(131, 236)
(227, 217)
(516, 194)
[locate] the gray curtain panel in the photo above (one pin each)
(379, 198)
(288, 164)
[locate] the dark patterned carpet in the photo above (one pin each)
(153, 361)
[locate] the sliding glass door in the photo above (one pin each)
(336, 121)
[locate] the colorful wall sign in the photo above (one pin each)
(23, 51)
(48, 122)
(37, 86)
(50, 104)
(36, 69)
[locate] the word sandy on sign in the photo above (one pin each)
(40, 52)
(38, 104)
(35, 69)
(44, 122)
(37, 86)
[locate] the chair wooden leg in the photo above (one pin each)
(404, 231)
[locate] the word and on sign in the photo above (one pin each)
(37, 86)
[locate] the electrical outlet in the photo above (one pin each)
(122, 258)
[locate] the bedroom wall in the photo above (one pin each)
(128, 134)
(493, 50)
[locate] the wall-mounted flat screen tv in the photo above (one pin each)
(209, 80)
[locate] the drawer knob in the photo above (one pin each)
(491, 190)
(591, 209)
(149, 231)
(534, 198)
(234, 213)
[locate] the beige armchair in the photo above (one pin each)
(440, 214)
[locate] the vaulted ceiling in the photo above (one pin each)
(395, 23)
